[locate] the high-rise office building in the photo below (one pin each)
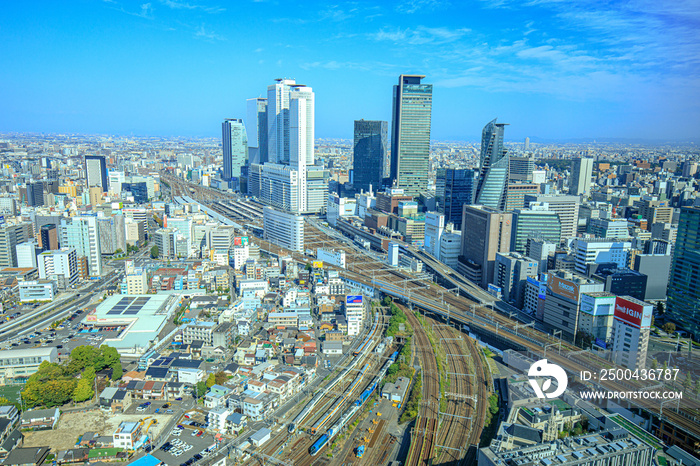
(684, 284)
(521, 168)
(26, 253)
(492, 188)
(49, 237)
(35, 194)
(538, 223)
(580, 181)
(60, 266)
(485, 232)
(235, 147)
(510, 275)
(278, 120)
(458, 191)
(96, 169)
(410, 134)
(81, 233)
(434, 227)
(566, 206)
(256, 128)
(370, 154)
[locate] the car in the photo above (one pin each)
(199, 434)
(188, 447)
(148, 403)
(180, 426)
(194, 433)
(197, 457)
(166, 405)
(187, 416)
(169, 411)
(179, 398)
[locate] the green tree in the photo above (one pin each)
(211, 380)
(83, 391)
(654, 364)
(669, 327)
(117, 371)
(493, 403)
(89, 374)
(82, 357)
(220, 378)
(154, 252)
(200, 389)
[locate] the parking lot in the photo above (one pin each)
(186, 445)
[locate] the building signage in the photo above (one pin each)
(317, 264)
(564, 288)
(354, 299)
(636, 314)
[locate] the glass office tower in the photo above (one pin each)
(370, 154)
(410, 134)
(458, 190)
(493, 177)
(684, 284)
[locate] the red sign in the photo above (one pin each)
(635, 313)
(237, 241)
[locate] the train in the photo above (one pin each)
(316, 399)
(375, 382)
(339, 403)
(354, 408)
(367, 342)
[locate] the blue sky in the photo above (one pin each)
(552, 69)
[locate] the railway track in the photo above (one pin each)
(425, 430)
(535, 342)
(466, 397)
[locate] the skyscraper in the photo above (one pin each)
(538, 223)
(370, 154)
(257, 130)
(278, 121)
(459, 190)
(410, 134)
(491, 190)
(684, 285)
(235, 147)
(96, 169)
(580, 181)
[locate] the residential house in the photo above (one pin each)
(39, 419)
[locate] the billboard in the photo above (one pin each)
(244, 240)
(564, 288)
(353, 299)
(494, 290)
(317, 264)
(601, 343)
(237, 241)
(633, 312)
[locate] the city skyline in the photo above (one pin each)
(167, 68)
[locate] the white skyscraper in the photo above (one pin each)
(278, 120)
(81, 234)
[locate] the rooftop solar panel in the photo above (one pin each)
(130, 312)
(114, 312)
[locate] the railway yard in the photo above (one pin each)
(439, 436)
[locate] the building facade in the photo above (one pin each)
(491, 190)
(370, 163)
(410, 134)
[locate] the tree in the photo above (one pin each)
(89, 374)
(220, 378)
(83, 391)
(200, 389)
(154, 251)
(660, 308)
(117, 371)
(211, 380)
(669, 327)
(82, 357)
(118, 251)
(654, 364)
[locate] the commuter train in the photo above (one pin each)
(354, 408)
(365, 347)
(367, 342)
(339, 404)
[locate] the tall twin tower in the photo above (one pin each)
(409, 164)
